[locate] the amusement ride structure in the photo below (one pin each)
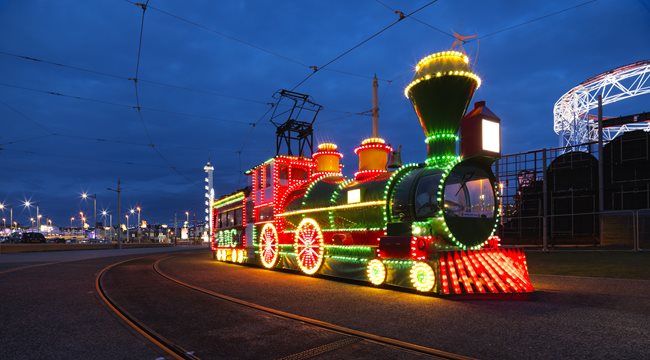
(571, 118)
(425, 226)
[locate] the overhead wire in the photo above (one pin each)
(246, 43)
(67, 134)
(105, 102)
(416, 20)
(138, 108)
(155, 82)
(344, 53)
(511, 27)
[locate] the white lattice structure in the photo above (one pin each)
(209, 199)
(571, 117)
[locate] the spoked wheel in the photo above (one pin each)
(309, 246)
(269, 246)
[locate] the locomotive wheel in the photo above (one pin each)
(376, 271)
(309, 246)
(269, 246)
(423, 278)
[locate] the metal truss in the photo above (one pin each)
(571, 118)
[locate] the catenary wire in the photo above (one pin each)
(158, 83)
(244, 42)
(319, 68)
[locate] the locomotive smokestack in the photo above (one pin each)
(327, 158)
(440, 92)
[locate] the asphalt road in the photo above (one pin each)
(568, 317)
(53, 311)
(49, 308)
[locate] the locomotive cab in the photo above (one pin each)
(456, 205)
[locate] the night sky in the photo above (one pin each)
(226, 66)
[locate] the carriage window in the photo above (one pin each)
(468, 194)
(238, 215)
(299, 174)
(266, 213)
(249, 212)
(426, 198)
(267, 174)
(283, 174)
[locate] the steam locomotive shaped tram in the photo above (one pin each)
(425, 226)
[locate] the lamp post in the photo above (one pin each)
(139, 224)
(132, 211)
(119, 227)
(32, 220)
(94, 197)
(187, 224)
(4, 223)
(3, 206)
(71, 220)
(28, 204)
(127, 227)
(104, 213)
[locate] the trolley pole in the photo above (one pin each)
(601, 169)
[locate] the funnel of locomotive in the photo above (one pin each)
(440, 93)
(451, 199)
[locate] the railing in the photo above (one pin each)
(621, 229)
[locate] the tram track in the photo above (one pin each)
(315, 322)
(172, 349)
(351, 337)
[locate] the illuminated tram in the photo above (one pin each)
(425, 226)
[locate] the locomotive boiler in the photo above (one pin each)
(426, 226)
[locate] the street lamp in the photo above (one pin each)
(127, 227)
(71, 220)
(28, 204)
(32, 220)
(104, 213)
(11, 214)
(119, 226)
(139, 224)
(4, 223)
(94, 197)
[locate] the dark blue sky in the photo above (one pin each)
(524, 71)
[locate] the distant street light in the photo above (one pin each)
(28, 204)
(119, 225)
(127, 227)
(71, 220)
(139, 224)
(4, 223)
(94, 197)
(3, 206)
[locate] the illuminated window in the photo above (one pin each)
(491, 140)
(354, 196)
